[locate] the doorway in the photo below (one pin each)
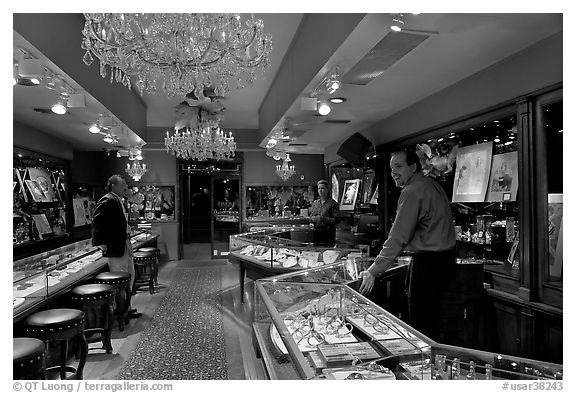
(210, 205)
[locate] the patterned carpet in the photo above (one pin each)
(186, 337)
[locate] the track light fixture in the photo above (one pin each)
(323, 108)
(60, 107)
(397, 22)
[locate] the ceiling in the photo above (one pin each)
(447, 48)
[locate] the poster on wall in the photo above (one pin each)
(40, 185)
(367, 184)
(335, 186)
(555, 232)
(350, 194)
(472, 173)
(503, 184)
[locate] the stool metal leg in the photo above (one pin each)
(63, 356)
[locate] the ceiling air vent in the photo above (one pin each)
(384, 54)
(46, 111)
(297, 144)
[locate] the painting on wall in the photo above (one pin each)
(335, 187)
(555, 234)
(503, 184)
(40, 185)
(367, 185)
(472, 173)
(350, 194)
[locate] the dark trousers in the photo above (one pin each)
(429, 276)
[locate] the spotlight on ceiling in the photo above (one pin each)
(397, 22)
(59, 108)
(337, 100)
(323, 108)
(94, 129)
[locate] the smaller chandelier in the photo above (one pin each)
(285, 171)
(136, 171)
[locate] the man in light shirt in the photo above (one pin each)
(424, 227)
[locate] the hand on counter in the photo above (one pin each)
(367, 282)
(104, 248)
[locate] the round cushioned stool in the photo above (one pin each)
(156, 252)
(96, 302)
(29, 358)
(60, 325)
(120, 282)
(146, 268)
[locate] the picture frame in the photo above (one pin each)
(350, 194)
(503, 184)
(367, 185)
(472, 173)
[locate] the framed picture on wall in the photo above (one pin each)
(503, 183)
(350, 194)
(472, 173)
(367, 185)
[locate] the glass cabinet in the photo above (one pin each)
(311, 324)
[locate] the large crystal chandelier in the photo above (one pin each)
(183, 52)
(285, 171)
(201, 139)
(136, 171)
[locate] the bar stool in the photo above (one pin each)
(60, 325)
(96, 302)
(146, 268)
(120, 282)
(28, 358)
(156, 252)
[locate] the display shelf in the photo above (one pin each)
(41, 278)
(297, 322)
(273, 251)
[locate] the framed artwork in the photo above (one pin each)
(350, 194)
(503, 184)
(42, 225)
(367, 184)
(41, 184)
(374, 199)
(335, 186)
(555, 234)
(472, 173)
(81, 213)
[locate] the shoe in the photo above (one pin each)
(134, 315)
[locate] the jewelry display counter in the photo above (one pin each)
(311, 324)
(256, 223)
(273, 251)
(41, 278)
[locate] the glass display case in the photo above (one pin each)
(311, 324)
(329, 331)
(289, 248)
(41, 276)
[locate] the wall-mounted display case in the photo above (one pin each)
(39, 200)
(311, 325)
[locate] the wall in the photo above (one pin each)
(38, 141)
(89, 168)
(259, 169)
(534, 68)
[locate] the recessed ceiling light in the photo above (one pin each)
(59, 109)
(94, 129)
(337, 100)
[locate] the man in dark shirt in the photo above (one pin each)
(424, 227)
(111, 232)
(323, 214)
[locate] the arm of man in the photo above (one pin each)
(101, 223)
(407, 217)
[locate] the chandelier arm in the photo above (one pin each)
(251, 41)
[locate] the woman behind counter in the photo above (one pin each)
(323, 214)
